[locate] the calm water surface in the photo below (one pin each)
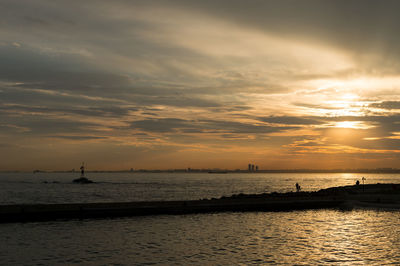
(113, 187)
(298, 237)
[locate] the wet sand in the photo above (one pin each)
(385, 196)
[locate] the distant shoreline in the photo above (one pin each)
(212, 171)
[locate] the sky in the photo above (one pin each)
(203, 84)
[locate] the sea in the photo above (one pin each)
(310, 237)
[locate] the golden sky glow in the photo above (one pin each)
(176, 84)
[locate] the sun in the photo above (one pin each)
(347, 124)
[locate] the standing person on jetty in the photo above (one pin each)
(298, 188)
(83, 169)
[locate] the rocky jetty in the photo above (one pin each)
(381, 196)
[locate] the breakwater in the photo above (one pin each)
(338, 197)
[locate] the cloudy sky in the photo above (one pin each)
(175, 84)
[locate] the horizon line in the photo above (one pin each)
(217, 170)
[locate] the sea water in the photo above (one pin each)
(297, 237)
(16, 188)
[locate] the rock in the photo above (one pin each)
(82, 180)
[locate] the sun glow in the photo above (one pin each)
(350, 97)
(340, 97)
(350, 124)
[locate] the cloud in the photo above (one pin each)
(103, 111)
(234, 78)
(390, 105)
(76, 137)
(203, 126)
(293, 120)
(371, 29)
(162, 125)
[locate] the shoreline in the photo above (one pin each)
(376, 196)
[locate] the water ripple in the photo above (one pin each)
(299, 237)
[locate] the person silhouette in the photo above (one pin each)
(298, 188)
(82, 170)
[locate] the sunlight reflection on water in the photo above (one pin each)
(305, 237)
